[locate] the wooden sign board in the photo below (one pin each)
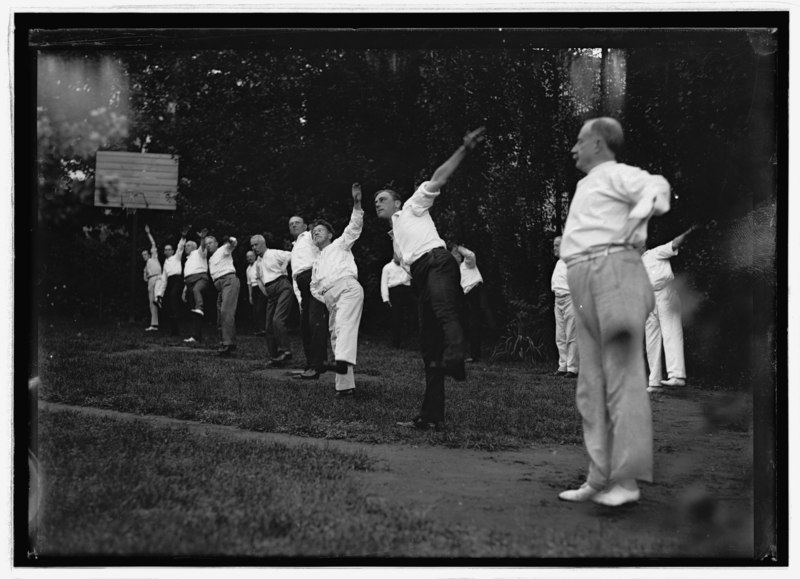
(135, 180)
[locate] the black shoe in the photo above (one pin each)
(571, 374)
(349, 393)
(419, 424)
(456, 370)
(227, 350)
(310, 374)
(560, 373)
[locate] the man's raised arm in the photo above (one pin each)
(442, 174)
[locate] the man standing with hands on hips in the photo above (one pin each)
(612, 296)
(437, 280)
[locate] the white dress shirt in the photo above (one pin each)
(656, 262)
(470, 274)
(304, 253)
(273, 265)
(392, 275)
(558, 283)
(413, 230)
(172, 265)
(221, 262)
(609, 195)
(336, 261)
(152, 267)
(196, 262)
(251, 273)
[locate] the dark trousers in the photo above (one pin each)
(172, 303)
(279, 306)
(196, 289)
(437, 280)
(227, 300)
(318, 325)
(473, 317)
(401, 297)
(303, 280)
(259, 309)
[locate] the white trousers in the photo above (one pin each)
(663, 327)
(151, 296)
(345, 302)
(566, 335)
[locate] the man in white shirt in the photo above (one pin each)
(255, 296)
(196, 281)
(396, 293)
(151, 273)
(273, 283)
(172, 281)
(435, 276)
(223, 274)
(664, 322)
(313, 313)
(566, 331)
(472, 286)
(334, 281)
(612, 297)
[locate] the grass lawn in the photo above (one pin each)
(500, 406)
(114, 488)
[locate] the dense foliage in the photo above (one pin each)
(263, 134)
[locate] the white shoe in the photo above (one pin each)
(189, 340)
(580, 495)
(674, 382)
(616, 496)
(652, 388)
(198, 311)
(151, 329)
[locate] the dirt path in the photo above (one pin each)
(701, 487)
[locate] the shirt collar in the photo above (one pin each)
(593, 169)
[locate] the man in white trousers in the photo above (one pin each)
(664, 325)
(334, 281)
(151, 273)
(566, 331)
(612, 297)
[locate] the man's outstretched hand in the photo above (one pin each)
(356, 193)
(472, 139)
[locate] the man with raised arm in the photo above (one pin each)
(172, 277)
(664, 325)
(223, 274)
(196, 280)
(151, 273)
(612, 297)
(437, 280)
(334, 281)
